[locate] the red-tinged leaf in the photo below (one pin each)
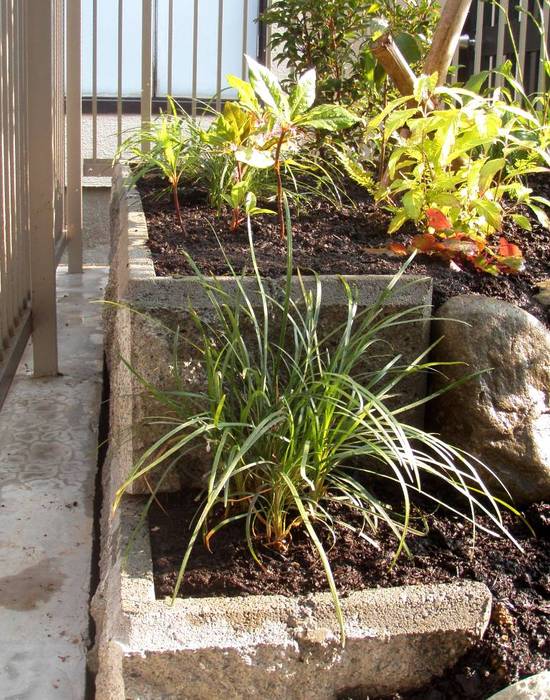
(437, 220)
(508, 250)
(467, 248)
(425, 242)
(397, 248)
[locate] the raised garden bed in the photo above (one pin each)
(332, 241)
(516, 644)
(141, 646)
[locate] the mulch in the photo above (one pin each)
(516, 644)
(328, 240)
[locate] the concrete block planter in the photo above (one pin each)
(141, 340)
(269, 646)
(255, 646)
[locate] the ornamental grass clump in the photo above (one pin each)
(295, 422)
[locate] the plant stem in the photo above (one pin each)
(280, 183)
(177, 206)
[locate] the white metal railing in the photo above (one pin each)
(33, 214)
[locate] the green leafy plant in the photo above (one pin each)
(295, 422)
(160, 147)
(452, 171)
(281, 119)
(334, 37)
(230, 141)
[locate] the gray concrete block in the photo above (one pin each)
(273, 647)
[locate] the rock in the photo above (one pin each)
(543, 296)
(534, 688)
(501, 416)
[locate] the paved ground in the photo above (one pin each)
(48, 461)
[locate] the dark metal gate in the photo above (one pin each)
(487, 40)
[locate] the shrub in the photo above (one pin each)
(455, 166)
(334, 37)
(294, 422)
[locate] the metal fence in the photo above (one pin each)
(33, 216)
(140, 50)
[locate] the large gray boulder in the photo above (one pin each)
(533, 688)
(501, 416)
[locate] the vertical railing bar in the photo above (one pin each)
(8, 38)
(268, 52)
(94, 80)
(8, 207)
(501, 34)
(479, 35)
(541, 83)
(120, 56)
(195, 58)
(170, 59)
(220, 57)
(245, 39)
(74, 136)
(146, 66)
(4, 285)
(23, 232)
(12, 167)
(20, 297)
(25, 159)
(60, 115)
(522, 43)
(41, 96)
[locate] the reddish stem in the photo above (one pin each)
(280, 183)
(177, 206)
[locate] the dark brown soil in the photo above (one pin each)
(328, 240)
(517, 643)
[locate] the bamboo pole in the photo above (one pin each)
(445, 39)
(393, 62)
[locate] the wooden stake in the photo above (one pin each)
(393, 62)
(445, 39)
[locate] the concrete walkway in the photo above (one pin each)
(48, 464)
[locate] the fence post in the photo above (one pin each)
(74, 135)
(40, 111)
(146, 65)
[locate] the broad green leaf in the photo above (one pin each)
(541, 215)
(491, 211)
(488, 172)
(522, 221)
(246, 93)
(375, 123)
(328, 118)
(398, 119)
(445, 200)
(398, 220)
(409, 47)
(477, 81)
(255, 158)
(302, 96)
(412, 204)
(268, 89)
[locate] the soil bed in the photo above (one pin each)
(516, 644)
(330, 241)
